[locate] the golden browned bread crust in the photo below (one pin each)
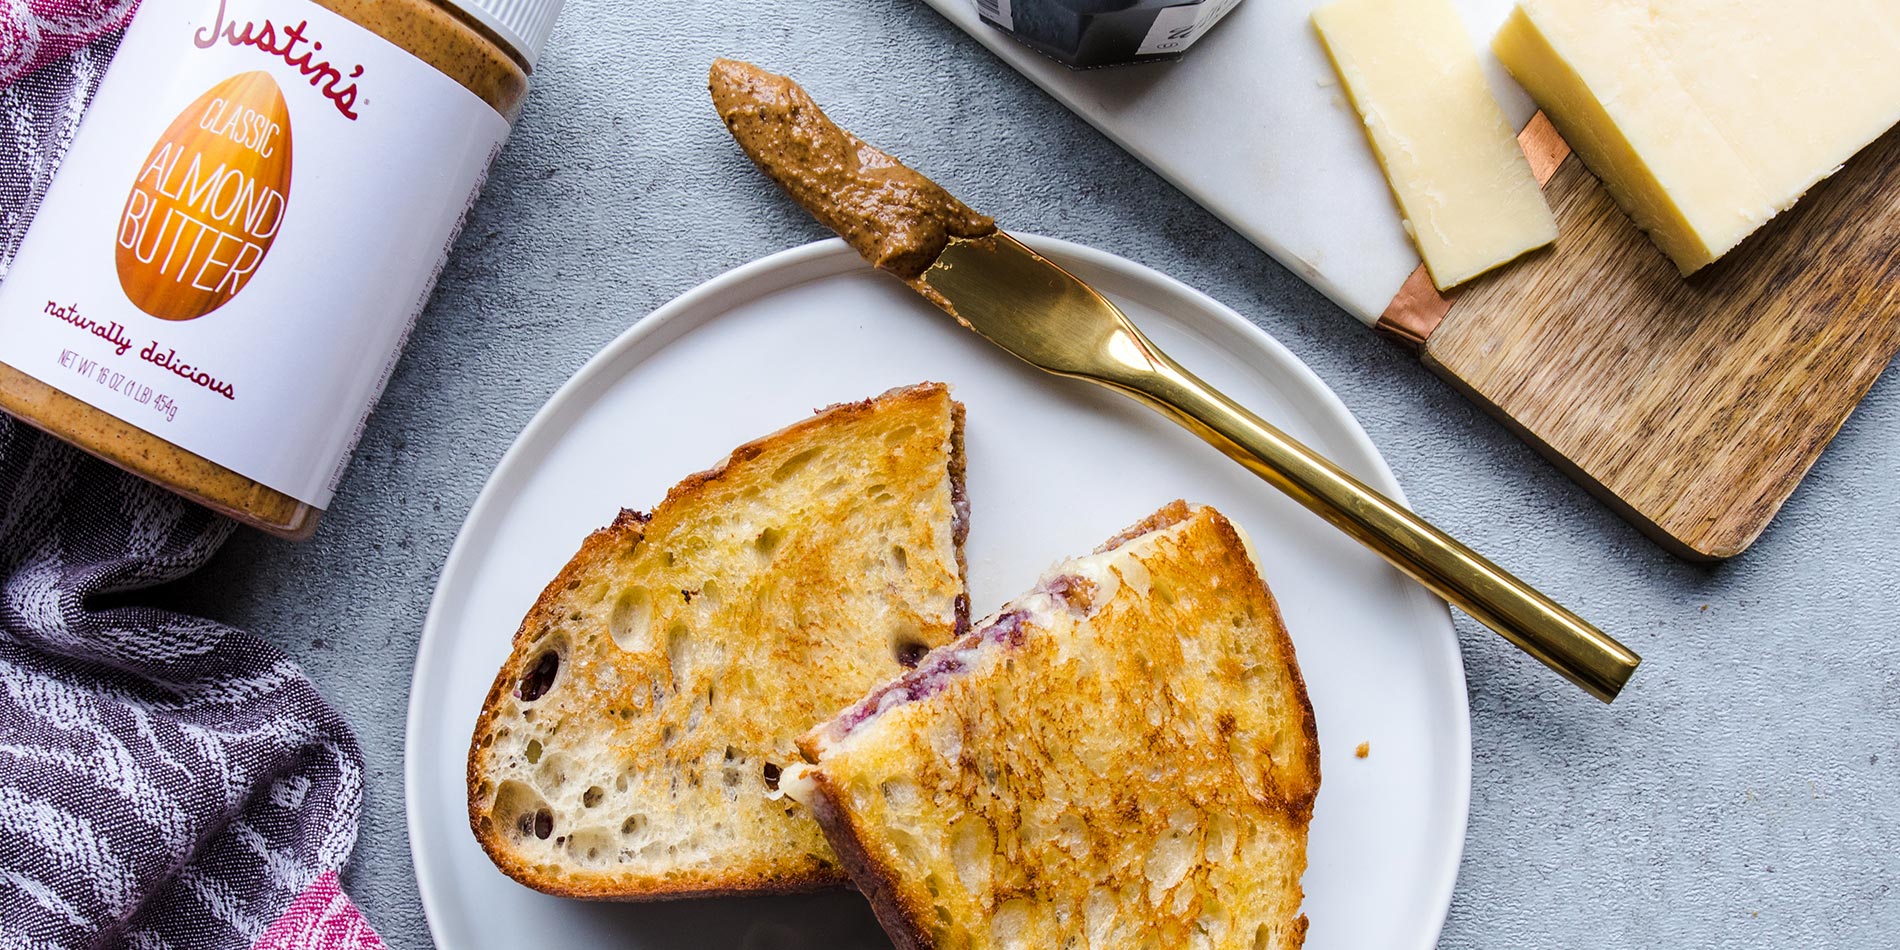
(896, 907)
(1126, 754)
(629, 743)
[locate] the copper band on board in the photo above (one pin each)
(1419, 307)
(1543, 146)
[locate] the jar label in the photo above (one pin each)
(254, 211)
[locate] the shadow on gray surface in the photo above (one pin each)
(835, 920)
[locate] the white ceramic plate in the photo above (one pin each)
(1055, 467)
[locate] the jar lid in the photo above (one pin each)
(522, 24)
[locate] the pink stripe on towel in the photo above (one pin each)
(37, 32)
(321, 918)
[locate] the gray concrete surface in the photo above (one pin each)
(1743, 793)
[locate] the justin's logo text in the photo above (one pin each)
(286, 43)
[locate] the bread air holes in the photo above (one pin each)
(1011, 924)
(899, 435)
(1211, 925)
(679, 653)
(731, 766)
(1171, 857)
(900, 793)
(521, 813)
(972, 848)
(1222, 836)
(533, 752)
(551, 775)
(767, 543)
(631, 621)
(911, 652)
(900, 557)
(908, 647)
(592, 796)
(592, 847)
(1099, 912)
(1072, 835)
(795, 464)
(539, 678)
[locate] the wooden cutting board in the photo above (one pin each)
(1691, 407)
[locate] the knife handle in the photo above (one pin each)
(1535, 623)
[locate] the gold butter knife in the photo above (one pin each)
(1031, 307)
(1046, 316)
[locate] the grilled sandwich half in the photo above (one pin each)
(1123, 758)
(631, 743)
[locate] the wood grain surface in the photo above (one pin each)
(1693, 407)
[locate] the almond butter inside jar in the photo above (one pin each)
(221, 276)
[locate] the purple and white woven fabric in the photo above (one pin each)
(165, 781)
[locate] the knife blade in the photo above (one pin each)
(1049, 318)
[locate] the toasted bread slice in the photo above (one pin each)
(631, 742)
(1124, 757)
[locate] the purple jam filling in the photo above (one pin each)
(1006, 631)
(960, 511)
(852, 718)
(933, 674)
(959, 533)
(939, 666)
(1064, 587)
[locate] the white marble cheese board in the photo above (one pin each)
(1253, 125)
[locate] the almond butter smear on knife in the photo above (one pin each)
(898, 220)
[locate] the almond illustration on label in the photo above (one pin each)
(208, 201)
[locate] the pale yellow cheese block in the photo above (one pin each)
(1464, 187)
(1705, 118)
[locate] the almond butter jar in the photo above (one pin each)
(221, 276)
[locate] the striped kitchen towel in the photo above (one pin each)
(165, 781)
(34, 33)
